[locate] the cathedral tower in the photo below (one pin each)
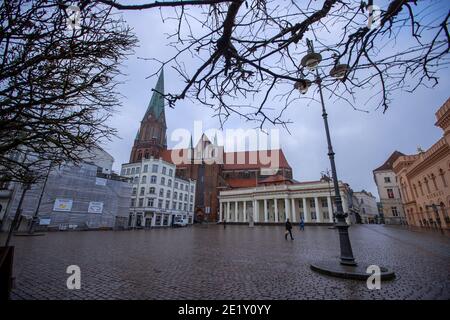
(151, 137)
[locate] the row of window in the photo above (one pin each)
(155, 167)
(152, 190)
(426, 183)
(151, 202)
(153, 180)
(312, 203)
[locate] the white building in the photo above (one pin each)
(368, 208)
(389, 191)
(158, 196)
(271, 204)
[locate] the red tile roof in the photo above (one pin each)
(241, 183)
(255, 159)
(276, 179)
(240, 160)
(390, 161)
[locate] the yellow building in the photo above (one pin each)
(424, 179)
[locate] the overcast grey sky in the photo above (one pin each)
(362, 141)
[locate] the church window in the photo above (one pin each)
(147, 155)
(139, 155)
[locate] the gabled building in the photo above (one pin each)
(389, 191)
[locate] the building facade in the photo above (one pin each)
(158, 196)
(73, 197)
(206, 163)
(274, 204)
(424, 179)
(368, 209)
(389, 191)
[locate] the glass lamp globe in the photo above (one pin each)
(339, 71)
(311, 60)
(302, 86)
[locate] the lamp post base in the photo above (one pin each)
(357, 272)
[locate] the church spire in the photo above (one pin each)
(156, 105)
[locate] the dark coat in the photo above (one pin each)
(288, 225)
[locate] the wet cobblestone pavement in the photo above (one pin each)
(210, 262)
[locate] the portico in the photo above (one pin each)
(311, 201)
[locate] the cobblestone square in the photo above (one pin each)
(210, 262)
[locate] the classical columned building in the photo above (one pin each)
(271, 204)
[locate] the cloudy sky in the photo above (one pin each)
(362, 141)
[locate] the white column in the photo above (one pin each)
(228, 212)
(276, 209)
(330, 208)
(245, 210)
(255, 211)
(294, 218)
(318, 211)
(266, 214)
(286, 209)
(220, 211)
(305, 210)
(235, 211)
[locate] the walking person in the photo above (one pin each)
(302, 224)
(288, 230)
(224, 223)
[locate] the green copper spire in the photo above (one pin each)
(156, 105)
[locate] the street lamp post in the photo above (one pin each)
(347, 266)
(346, 257)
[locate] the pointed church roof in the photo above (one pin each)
(156, 105)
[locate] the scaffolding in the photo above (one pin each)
(75, 197)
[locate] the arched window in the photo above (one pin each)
(415, 190)
(426, 184)
(442, 174)
(140, 156)
(151, 190)
(420, 188)
(433, 178)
